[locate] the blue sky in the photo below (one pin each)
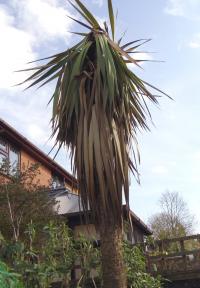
(170, 154)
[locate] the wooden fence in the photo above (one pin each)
(175, 259)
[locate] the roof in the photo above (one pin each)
(35, 152)
(135, 220)
(140, 223)
(74, 211)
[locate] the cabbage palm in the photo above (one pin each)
(98, 106)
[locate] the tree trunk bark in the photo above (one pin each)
(114, 275)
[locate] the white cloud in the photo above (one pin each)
(24, 26)
(159, 169)
(28, 113)
(98, 2)
(45, 19)
(15, 50)
(140, 56)
(195, 43)
(37, 133)
(175, 7)
(186, 8)
(197, 156)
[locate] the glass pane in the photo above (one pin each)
(13, 160)
(3, 144)
(3, 163)
(57, 182)
(2, 159)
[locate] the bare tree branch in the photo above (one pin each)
(174, 219)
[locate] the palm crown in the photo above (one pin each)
(98, 105)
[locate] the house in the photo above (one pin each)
(21, 153)
(62, 185)
(70, 206)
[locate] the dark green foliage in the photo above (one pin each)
(9, 279)
(22, 200)
(57, 255)
(53, 260)
(41, 266)
(136, 269)
(89, 259)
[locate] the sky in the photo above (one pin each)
(170, 153)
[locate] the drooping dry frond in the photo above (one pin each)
(98, 105)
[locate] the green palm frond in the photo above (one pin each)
(112, 18)
(98, 106)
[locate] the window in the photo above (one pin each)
(2, 158)
(57, 182)
(3, 151)
(13, 159)
(3, 145)
(9, 155)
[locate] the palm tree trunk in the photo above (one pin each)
(112, 259)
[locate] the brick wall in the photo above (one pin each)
(44, 176)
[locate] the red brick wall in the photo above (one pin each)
(44, 176)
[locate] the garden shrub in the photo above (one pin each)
(54, 260)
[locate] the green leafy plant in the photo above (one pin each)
(136, 269)
(40, 266)
(89, 259)
(58, 255)
(22, 200)
(9, 279)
